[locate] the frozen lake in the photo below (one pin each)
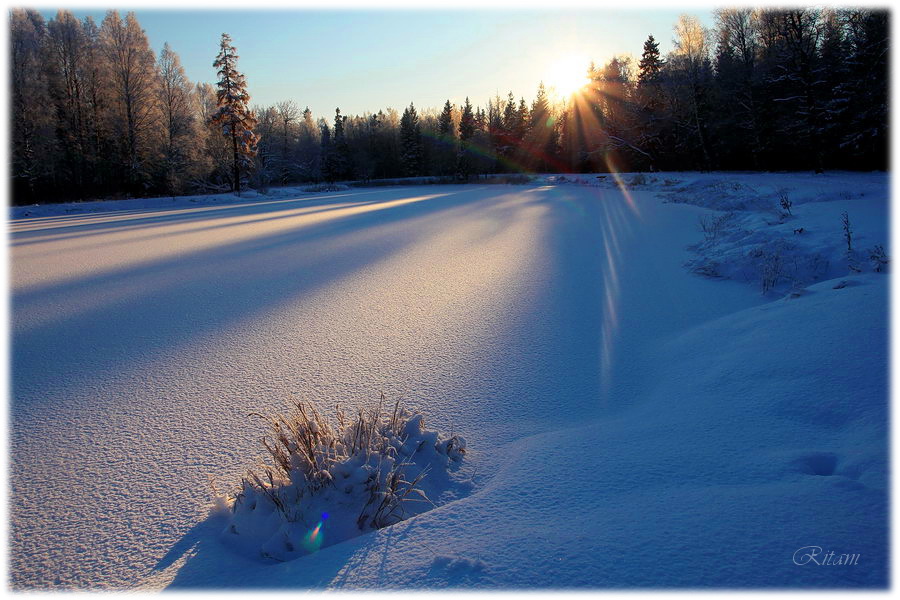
(142, 339)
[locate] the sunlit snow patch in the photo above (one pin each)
(328, 482)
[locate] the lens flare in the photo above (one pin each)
(312, 541)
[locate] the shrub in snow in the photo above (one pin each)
(878, 258)
(330, 481)
(713, 225)
(852, 258)
(326, 187)
(848, 232)
(785, 202)
(770, 271)
(638, 179)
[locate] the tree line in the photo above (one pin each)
(95, 113)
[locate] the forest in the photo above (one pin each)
(96, 113)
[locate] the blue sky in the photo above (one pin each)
(368, 60)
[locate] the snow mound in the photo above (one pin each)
(327, 483)
(727, 194)
(781, 239)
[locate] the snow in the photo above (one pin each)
(629, 422)
(340, 478)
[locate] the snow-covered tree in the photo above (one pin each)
(65, 68)
(134, 80)
(178, 117)
(233, 114)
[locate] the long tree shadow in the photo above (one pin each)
(236, 220)
(148, 309)
(78, 226)
(125, 319)
(547, 347)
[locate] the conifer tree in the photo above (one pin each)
(510, 127)
(233, 114)
(467, 127)
(326, 151)
(411, 141)
(447, 154)
(650, 64)
(540, 139)
(445, 121)
(340, 152)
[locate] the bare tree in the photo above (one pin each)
(134, 81)
(177, 118)
(692, 56)
(288, 115)
(31, 121)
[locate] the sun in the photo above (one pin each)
(568, 74)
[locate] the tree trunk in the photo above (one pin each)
(236, 166)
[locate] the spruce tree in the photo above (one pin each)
(445, 121)
(540, 139)
(411, 141)
(467, 127)
(650, 64)
(233, 114)
(340, 152)
(326, 152)
(510, 125)
(447, 141)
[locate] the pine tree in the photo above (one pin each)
(234, 115)
(411, 141)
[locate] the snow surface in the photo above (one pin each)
(630, 423)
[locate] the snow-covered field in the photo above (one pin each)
(638, 413)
